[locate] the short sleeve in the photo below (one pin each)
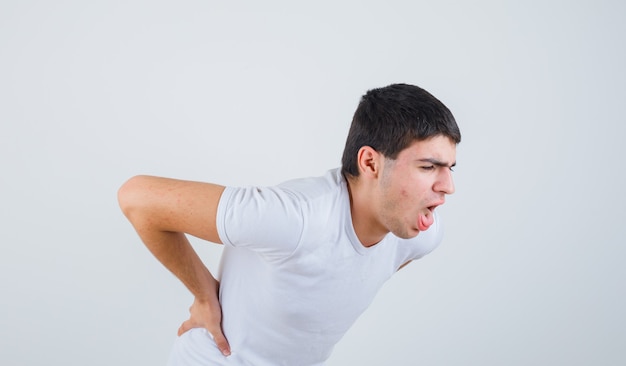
(267, 220)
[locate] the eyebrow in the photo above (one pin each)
(437, 163)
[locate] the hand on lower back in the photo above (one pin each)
(208, 315)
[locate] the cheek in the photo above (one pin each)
(412, 197)
(408, 200)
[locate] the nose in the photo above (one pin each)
(444, 183)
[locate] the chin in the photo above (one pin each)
(408, 234)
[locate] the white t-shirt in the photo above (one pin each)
(294, 276)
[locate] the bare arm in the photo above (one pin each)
(162, 210)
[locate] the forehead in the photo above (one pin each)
(437, 147)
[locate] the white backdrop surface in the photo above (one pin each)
(253, 93)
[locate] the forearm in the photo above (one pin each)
(175, 252)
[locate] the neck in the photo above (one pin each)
(368, 229)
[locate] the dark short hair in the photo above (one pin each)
(391, 118)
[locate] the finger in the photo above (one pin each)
(221, 342)
(184, 327)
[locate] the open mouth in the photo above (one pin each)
(431, 208)
(426, 219)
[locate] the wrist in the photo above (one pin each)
(209, 295)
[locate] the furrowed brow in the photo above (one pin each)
(438, 163)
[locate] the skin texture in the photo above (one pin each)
(388, 196)
(391, 195)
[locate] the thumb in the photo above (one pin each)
(221, 342)
(184, 327)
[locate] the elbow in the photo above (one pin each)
(129, 196)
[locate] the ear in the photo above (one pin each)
(369, 162)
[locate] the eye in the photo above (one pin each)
(428, 167)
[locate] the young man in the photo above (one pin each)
(303, 259)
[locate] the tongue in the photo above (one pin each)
(424, 222)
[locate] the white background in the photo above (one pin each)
(531, 271)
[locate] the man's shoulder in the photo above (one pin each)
(323, 200)
(331, 183)
(310, 196)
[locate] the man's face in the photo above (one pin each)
(414, 184)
